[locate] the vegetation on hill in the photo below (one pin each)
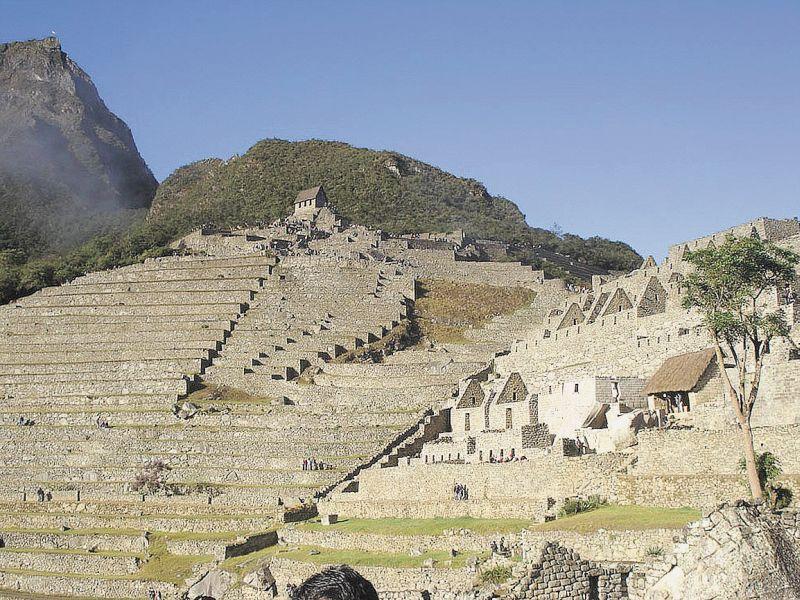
(381, 189)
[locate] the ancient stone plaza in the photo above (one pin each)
(224, 421)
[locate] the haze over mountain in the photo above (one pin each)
(69, 168)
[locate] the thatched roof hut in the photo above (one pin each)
(682, 373)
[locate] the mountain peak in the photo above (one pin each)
(65, 158)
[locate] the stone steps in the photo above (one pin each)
(175, 385)
(133, 345)
(132, 461)
(162, 416)
(81, 400)
(122, 477)
(180, 432)
(131, 299)
(109, 356)
(19, 321)
(142, 522)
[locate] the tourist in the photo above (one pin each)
(40, 494)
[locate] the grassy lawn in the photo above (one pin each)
(419, 526)
(447, 309)
(621, 518)
(335, 556)
(162, 565)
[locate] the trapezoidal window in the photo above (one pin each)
(466, 422)
(509, 418)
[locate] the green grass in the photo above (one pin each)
(162, 565)
(356, 558)
(619, 518)
(419, 526)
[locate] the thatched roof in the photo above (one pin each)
(308, 194)
(680, 373)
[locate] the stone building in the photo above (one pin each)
(309, 201)
(491, 421)
(685, 381)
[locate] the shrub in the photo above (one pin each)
(573, 506)
(655, 551)
(769, 469)
(152, 476)
(496, 575)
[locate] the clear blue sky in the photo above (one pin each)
(650, 122)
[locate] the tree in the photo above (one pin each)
(729, 286)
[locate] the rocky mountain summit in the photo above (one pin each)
(69, 167)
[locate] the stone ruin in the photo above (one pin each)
(96, 376)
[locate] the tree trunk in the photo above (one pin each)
(750, 459)
(744, 426)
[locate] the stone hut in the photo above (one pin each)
(496, 420)
(309, 201)
(685, 381)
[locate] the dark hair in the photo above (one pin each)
(335, 583)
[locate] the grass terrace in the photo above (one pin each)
(410, 527)
(320, 555)
(617, 517)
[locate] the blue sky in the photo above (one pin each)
(650, 122)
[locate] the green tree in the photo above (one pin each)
(730, 286)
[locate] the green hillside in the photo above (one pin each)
(381, 189)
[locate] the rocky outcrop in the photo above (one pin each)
(65, 159)
(735, 553)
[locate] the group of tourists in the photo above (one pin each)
(25, 421)
(460, 492)
(312, 464)
(500, 547)
(41, 495)
(102, 423)
(154, 594)
(507, 459)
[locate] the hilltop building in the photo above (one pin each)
(309, 202)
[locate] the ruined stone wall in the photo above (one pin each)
(561, 572)
(735, 553)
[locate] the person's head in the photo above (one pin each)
(335, 583)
